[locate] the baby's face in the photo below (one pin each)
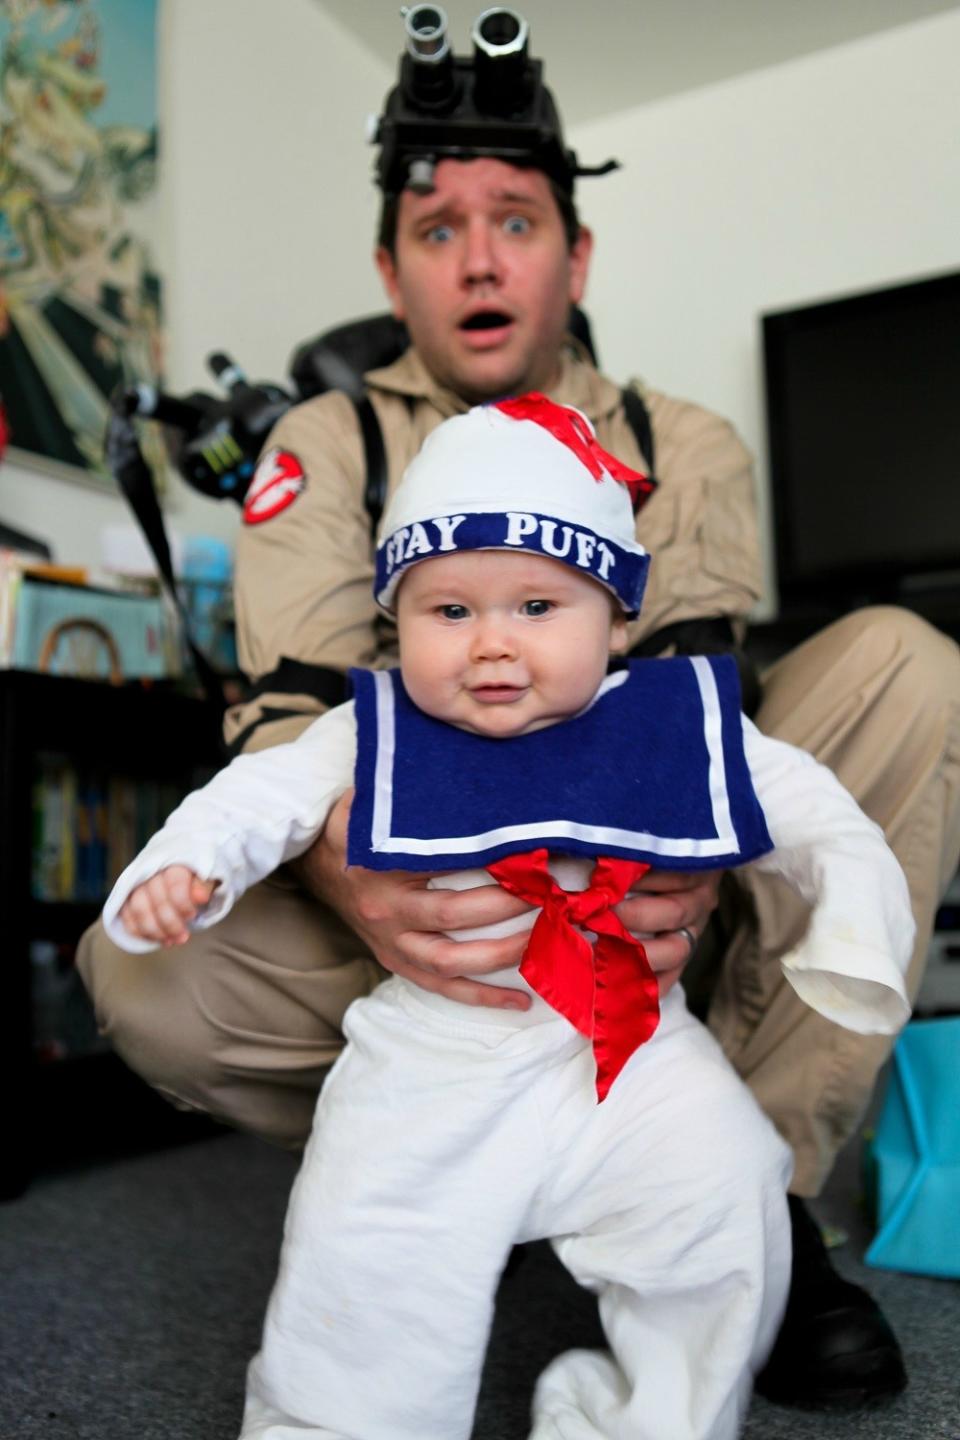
(502, 644)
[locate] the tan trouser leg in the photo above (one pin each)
(876, 697)
(244, 1020)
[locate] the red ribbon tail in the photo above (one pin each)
(558, 964)
(626, 1005)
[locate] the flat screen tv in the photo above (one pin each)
(863, 421)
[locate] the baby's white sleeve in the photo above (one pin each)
(851, 963)
(256, 813)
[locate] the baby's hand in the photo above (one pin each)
(160, 908)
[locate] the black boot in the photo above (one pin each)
(834, 1348)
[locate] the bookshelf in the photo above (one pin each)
(85, 769)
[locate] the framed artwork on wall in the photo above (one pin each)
(80, 297)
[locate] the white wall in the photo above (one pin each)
(266, 220)
(831, 174)
(272, 201)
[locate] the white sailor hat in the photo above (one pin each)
(517, 475)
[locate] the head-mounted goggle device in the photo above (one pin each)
(450, 107)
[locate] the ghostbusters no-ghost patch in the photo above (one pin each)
(276, 483)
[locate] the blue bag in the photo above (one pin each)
(915, 1154)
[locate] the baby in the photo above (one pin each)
(597, 1118)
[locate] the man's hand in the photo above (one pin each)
(403, 922)
(406, 925)
(672, 909)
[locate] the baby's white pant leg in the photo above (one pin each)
(672, 1206)
(413, 1186)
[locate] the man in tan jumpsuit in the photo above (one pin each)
(243, 1020)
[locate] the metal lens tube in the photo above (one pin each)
(500, 32)
(427, 70)
(426, 27)
(500, 61)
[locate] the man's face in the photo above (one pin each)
(484, 278)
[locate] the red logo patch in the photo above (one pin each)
(276, 483)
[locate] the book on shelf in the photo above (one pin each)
(88, 826)
(37, 598)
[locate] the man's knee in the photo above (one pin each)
(918, 656)
(883, 652)
(876, 697)
(145, 1007)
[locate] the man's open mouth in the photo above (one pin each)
(487, 320)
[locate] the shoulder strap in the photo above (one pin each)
(135, 479)
(374, 459)
(638, 418)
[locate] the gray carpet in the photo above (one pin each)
(131, 1294)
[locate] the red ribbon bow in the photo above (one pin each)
(569, 427)
(606, 990)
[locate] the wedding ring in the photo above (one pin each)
(690, 938)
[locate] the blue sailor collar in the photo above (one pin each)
(654, 770)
